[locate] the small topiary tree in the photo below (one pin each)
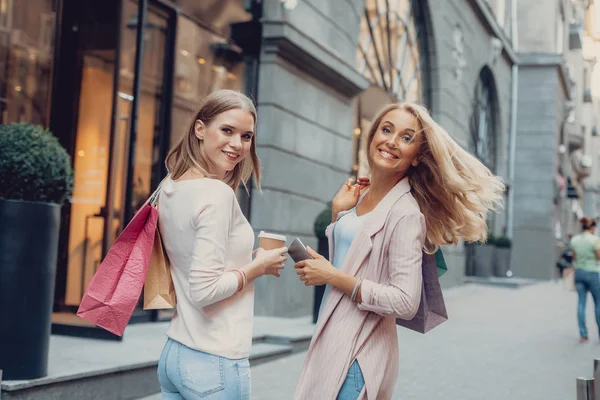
(322, 222)
(503, 242)
(33, 165)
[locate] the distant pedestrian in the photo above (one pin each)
(424, 191)
(209, 244)
(565, 261)
(586, 247)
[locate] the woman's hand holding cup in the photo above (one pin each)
(270, 254)
(270, 262)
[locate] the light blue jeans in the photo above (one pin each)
(184, 373)
(353, 384)
(587, 281)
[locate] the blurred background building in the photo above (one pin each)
(557, 119)
(513, 81)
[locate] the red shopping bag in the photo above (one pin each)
(115, 289)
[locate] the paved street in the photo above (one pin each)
(499, 344)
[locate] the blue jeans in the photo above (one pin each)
(184, 373)
(587, 281)
(353, 384)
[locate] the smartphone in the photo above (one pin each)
(298, 252)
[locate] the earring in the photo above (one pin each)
(415, 163)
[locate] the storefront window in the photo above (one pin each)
(26, 56)
(98, 216)
(109, 187)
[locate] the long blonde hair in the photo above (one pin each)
(189, 152)
(454, 190)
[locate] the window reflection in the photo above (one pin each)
(388, 48)
(26, 53)
(216, 14)
(391, 51)
(204, 61)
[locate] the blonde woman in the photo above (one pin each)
(209, 244)
(425, 191)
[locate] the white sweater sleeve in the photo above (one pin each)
(208, 279)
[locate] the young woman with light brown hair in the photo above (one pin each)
(425, 191)
(209, 243)
(586, 249)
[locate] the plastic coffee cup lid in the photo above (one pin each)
(273, 236)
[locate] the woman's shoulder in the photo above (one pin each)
(205, 191)
(406, 206)
(215, 187)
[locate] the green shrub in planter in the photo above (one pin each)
(36, 178)
(503, 242)
(33, 165)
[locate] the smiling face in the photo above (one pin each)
(227, 139)
(395, 145)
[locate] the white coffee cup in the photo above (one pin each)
(269, 241)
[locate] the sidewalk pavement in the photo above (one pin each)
(499, 344)
(81, 368)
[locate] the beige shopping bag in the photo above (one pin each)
(159, 292)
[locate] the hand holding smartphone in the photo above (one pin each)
(297, 251)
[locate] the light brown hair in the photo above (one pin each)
(454, 190)
(189, 153)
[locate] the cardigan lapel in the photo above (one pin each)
(361, 244)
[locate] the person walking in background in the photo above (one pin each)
(565, 261)
(209, 244)
(425, 191)
(586, 247)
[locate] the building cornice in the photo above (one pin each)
(282, 39)
(492, 26)
(548, 60)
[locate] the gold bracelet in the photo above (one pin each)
(244, 278)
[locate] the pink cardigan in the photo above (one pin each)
(387, 253)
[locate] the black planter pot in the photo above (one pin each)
(484, 260)
(28, 251)
(501, 261)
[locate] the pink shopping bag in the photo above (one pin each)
(115, 289)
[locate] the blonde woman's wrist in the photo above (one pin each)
(334, 212)
(254, 270)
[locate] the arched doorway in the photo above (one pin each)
(483, 129)
(392, 55)
(483, 124)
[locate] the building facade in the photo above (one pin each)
(591, 86)
(118, 93)
(325, 70)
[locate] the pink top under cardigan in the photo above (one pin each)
(387, 253)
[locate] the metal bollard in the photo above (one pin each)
(597, 377)
(585, 389)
